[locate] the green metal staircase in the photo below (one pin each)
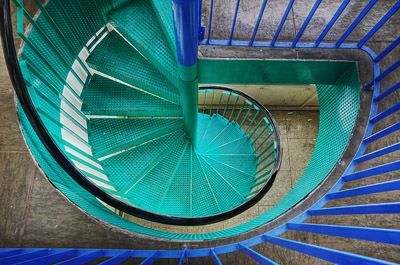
(110, 94)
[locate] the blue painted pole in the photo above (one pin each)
(186, 21)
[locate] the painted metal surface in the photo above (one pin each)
(379, 235)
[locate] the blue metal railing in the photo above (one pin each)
(389, 236)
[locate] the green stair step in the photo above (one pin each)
(243, 162)
(163, 10)
(108, 136)
(103, 96)
(225, 192)
(149, 191)
(240, 145)
(128, 65)
(215, 127)
(177, 198)
(241, 180)
(203, 125)
(123, 168)
(231, 132)
(138, 23)
(204, 202)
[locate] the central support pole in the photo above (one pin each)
(186, 21)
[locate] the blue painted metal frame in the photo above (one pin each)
(372, 234)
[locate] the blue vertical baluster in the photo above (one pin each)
(258, 22)
(234, 22)
(305, 24)
(356, 22)
(332, 22)
(210, 21)
(285, 15)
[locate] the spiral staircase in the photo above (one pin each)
(110, 107)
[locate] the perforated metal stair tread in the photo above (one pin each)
(226, 194)
(124, 167)
(177, 198)
(163, 10)
(138, 23)
(128, 65)
(103, 96)
(108, 135)
(149, 192)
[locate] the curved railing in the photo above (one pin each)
(387, 109)
(268, 152)
(257, 125)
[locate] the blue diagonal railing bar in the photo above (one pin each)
(378, 25)
(183, 257)
(380, 208)
(256, 256)
(119, 258)
(151, 259)
(332, 22)
(210, 21)
(332, 255)
(26, 254)
(387, 91)
(54, 256)
(373, 171)
(305, 24)
(388, 49)
(385, 113)
(384, 151)
(84, 256)
(364, 190)
(215, 258)
(283, 20)
(382, 133)
(389, 236)
(258, 22)
(389, 70)
(360, 17)
(234, 21)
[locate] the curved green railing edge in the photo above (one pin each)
(338, 111)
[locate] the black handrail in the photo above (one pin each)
(38, 126)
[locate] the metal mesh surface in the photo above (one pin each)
(145, 34)
(108, 136)
(128, 65)
(103, 96)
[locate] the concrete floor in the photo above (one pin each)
(35, 215)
